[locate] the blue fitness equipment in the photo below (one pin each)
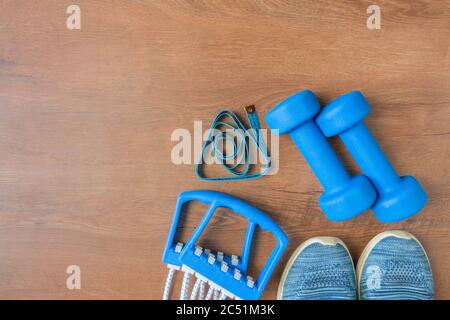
(344, 196)
(398, 197)
(241, 156)
(222, 273)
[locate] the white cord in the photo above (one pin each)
(210, 293)
(195, 289)
(201, 294)
(168, 284)
(216, 294)
(184, 294)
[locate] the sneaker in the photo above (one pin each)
(321, 268)
(394, 266)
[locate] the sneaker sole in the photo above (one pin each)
(372, 243)
(323, 240)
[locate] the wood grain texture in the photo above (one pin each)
(86, 118)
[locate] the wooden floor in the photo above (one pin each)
(86, 118)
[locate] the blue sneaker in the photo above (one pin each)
(321, 268)
(394, 266)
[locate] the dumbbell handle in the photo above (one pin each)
(319, 155)
(369, 156)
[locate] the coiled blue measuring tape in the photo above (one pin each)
(241, 150)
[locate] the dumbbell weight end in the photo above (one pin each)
(405, 199)
(348, 201)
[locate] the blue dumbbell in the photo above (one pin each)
(398, 197)
(344, 196)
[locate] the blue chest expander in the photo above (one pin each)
(226, 276)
